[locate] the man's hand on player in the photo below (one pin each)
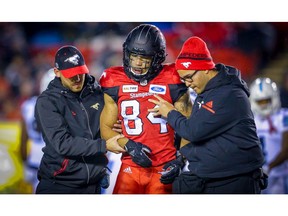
(162, 107)
(117, 126)
(113, 146)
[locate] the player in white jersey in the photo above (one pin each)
(32, 154)
(192, 94)
(272, 128)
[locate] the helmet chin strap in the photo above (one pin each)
(143, 79)
(140, 77)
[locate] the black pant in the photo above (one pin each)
(242, 184)
(48, 187)
(247, 183)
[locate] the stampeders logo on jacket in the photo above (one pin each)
(208, 106)
(95, 106)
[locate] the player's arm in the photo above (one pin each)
(184, 106)
(283, 154)
(108, 118)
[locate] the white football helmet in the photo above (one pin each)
(264, 89)
(46, 78)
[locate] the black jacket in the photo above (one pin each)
(221, 128)
(74, 154)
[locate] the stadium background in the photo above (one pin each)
(27, 50)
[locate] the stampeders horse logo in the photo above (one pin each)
(73, 59)
(95, 106)
(186, 64)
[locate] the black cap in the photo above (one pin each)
(70, 61)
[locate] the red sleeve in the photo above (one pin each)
(171, 73)
(177, 88)
(112, 77)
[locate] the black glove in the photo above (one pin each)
(171, 170)
(138, 152)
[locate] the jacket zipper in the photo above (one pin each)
(83, 108)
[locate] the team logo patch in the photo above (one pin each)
(130, 88)
(128, 170)
(209, 106)
(186, 64)
(73, 59)
(157, 89)
(95, 106)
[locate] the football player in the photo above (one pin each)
(272, 128)
(149, 140)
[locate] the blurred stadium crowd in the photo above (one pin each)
(27, 50)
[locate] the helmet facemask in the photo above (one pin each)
(139, 65)
(264, 107)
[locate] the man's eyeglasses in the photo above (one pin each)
(188, 78)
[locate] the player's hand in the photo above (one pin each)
(171, 170)
(113, 146)
(139, 152)
(117, 126)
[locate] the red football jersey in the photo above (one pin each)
(137, 123)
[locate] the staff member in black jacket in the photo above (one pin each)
(224, 154)
(68, 114)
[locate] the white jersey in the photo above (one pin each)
(193, 95)
(114, 165)
(271, 139)
(37, 142)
